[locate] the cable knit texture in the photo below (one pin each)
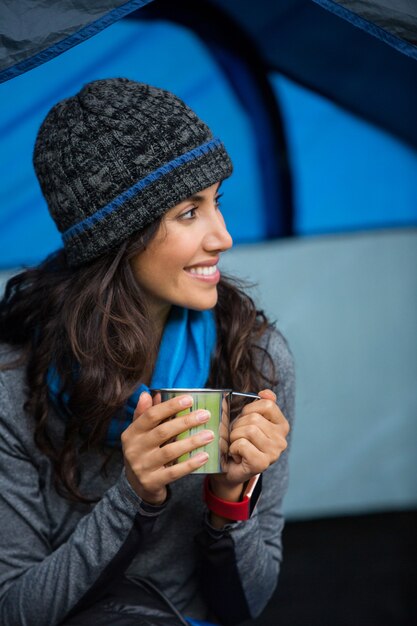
(116, 156)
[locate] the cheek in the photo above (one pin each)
(164, 260)
(143, 270)
(155, 272)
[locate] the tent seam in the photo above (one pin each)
(78, 37)
(370, 28)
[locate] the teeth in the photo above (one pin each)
(203, 271)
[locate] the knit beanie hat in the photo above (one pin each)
(116, 156)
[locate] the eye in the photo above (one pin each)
(217, 198)
(188, 215)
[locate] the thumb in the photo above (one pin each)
(267, 394)
(144, 403)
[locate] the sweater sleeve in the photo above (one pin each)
(241, 562)
(61, 580)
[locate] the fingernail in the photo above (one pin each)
(186, 401)
(201, 457)
(202, 415)
(207, 435)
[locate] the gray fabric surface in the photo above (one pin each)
(348, 307)
(53, 551)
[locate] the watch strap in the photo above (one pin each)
(237, 511)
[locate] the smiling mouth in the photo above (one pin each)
(203, 271)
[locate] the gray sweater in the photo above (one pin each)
(54, 553)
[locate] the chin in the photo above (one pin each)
(208, 303)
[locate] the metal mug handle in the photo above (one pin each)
(246, 395)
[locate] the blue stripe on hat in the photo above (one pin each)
(90, 221)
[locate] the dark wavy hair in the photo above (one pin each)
(94, 318)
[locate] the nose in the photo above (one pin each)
(217, 238)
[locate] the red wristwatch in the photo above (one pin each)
(238, 511)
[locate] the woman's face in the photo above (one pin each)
(179, 266)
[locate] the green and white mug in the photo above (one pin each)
(217, 401)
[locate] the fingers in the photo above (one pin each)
(168, 430)
(271, 442)
(268, 394)
(268, 427)
(158, 446)
(165, 432)
(152, 414)
(171, 452)
(266, 407)
(255, 419)
(149, 451)
(253, 454)
(152, 481)
(252, 432)
(150, 484)
(145, 402)
(249, 457)
(258, 435)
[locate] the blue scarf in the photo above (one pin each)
(184, 356)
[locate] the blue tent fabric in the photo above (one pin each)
(80, 26)
(238, 59)
(294, 37)
(308, 92)
(27, 233)
(351, 14)
(331, 56)
(346, 174)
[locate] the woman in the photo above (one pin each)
(91, 499)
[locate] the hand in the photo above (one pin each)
(257, 439)
(150, 449)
